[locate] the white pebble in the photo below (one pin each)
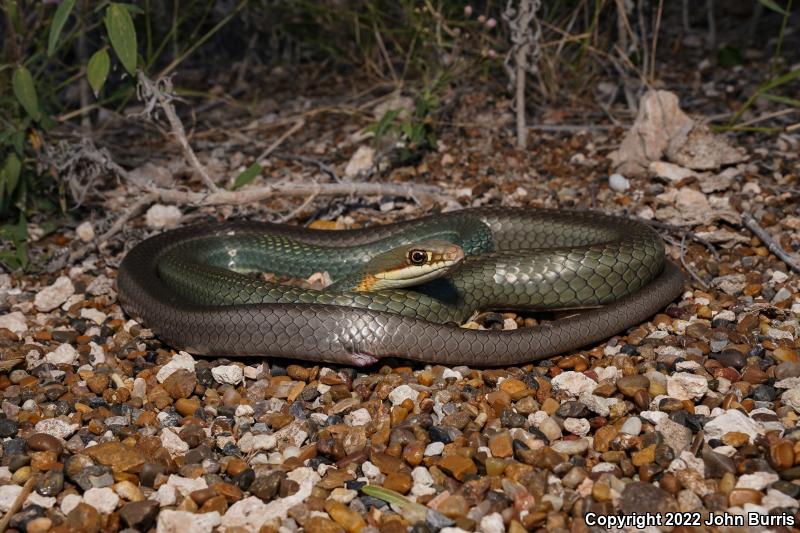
(401, 393)
(104, 499)
(434, 448)
(14, 322)
(65, 354)
(85, 231)
(173, 443)
(90, 313)
(56, 427)
(618, 183)
(228, 374)
(178, 361)
(162, 216)
(56, 294)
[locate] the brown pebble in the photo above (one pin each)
(739, 497)
(458, 466)
(399, 482)
(43, 442)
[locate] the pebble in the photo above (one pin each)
(228, 374)
(402, 393)
(685, 386)
(54, 295)
(64, 354)
(14, 322)
(162, 216)
(105, 500)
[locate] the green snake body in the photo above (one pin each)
(192, 287)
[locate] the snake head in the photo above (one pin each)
(409, 265)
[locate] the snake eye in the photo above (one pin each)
(417, 257)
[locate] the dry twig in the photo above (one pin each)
(160, 91)
(756, 229)
(279, 141)
(244, 196)
(524, 54)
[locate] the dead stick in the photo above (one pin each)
(266, 153)
(754, 227)
(178, 130)
(223, 197)
(23, 495)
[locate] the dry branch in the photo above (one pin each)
(751, 224)
(161, 91)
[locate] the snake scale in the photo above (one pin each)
(194, 288)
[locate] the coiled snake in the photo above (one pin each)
(192, 286)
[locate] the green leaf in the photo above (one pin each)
(380, 127)
(247, 175)
(413, 511)
(11, 170)
(24, 90)
(97, 70)
(122, 34)
(771, 4)
(59, 19)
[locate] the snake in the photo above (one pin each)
(201, 287)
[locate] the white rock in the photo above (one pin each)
(732, 420)
(244, 410)
(69, 502)
(434, 448)
(139, 388)
(359, 417)
(173, 443)
(654, 417)
(422, 476)
(56, 294)
(618, 183)
(9, 493)
(571, 447)
(250, 443)
(370, 470)
(85, 231)
(686, 386)
(277, 509)
(104, 499)
(450, 373)
(343, 495)
(670, 171)
(492, 523)
(166, 495)
(162, 216)
(598, 404)
(90, 313)
(186, 485)
(577, 426)
(65, 354)
(693, 205)
(170, 521)
(228, 374)
(361, 162)
(757, 480)
(776, 498)
(779, 277)
(97, 355)
(573, 382)
(56, 427)
(179, 360)
(792, 398)
(34, 498)
(401, 393)
(632, 426)
(14, 322)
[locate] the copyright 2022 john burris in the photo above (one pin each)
(675, 519)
